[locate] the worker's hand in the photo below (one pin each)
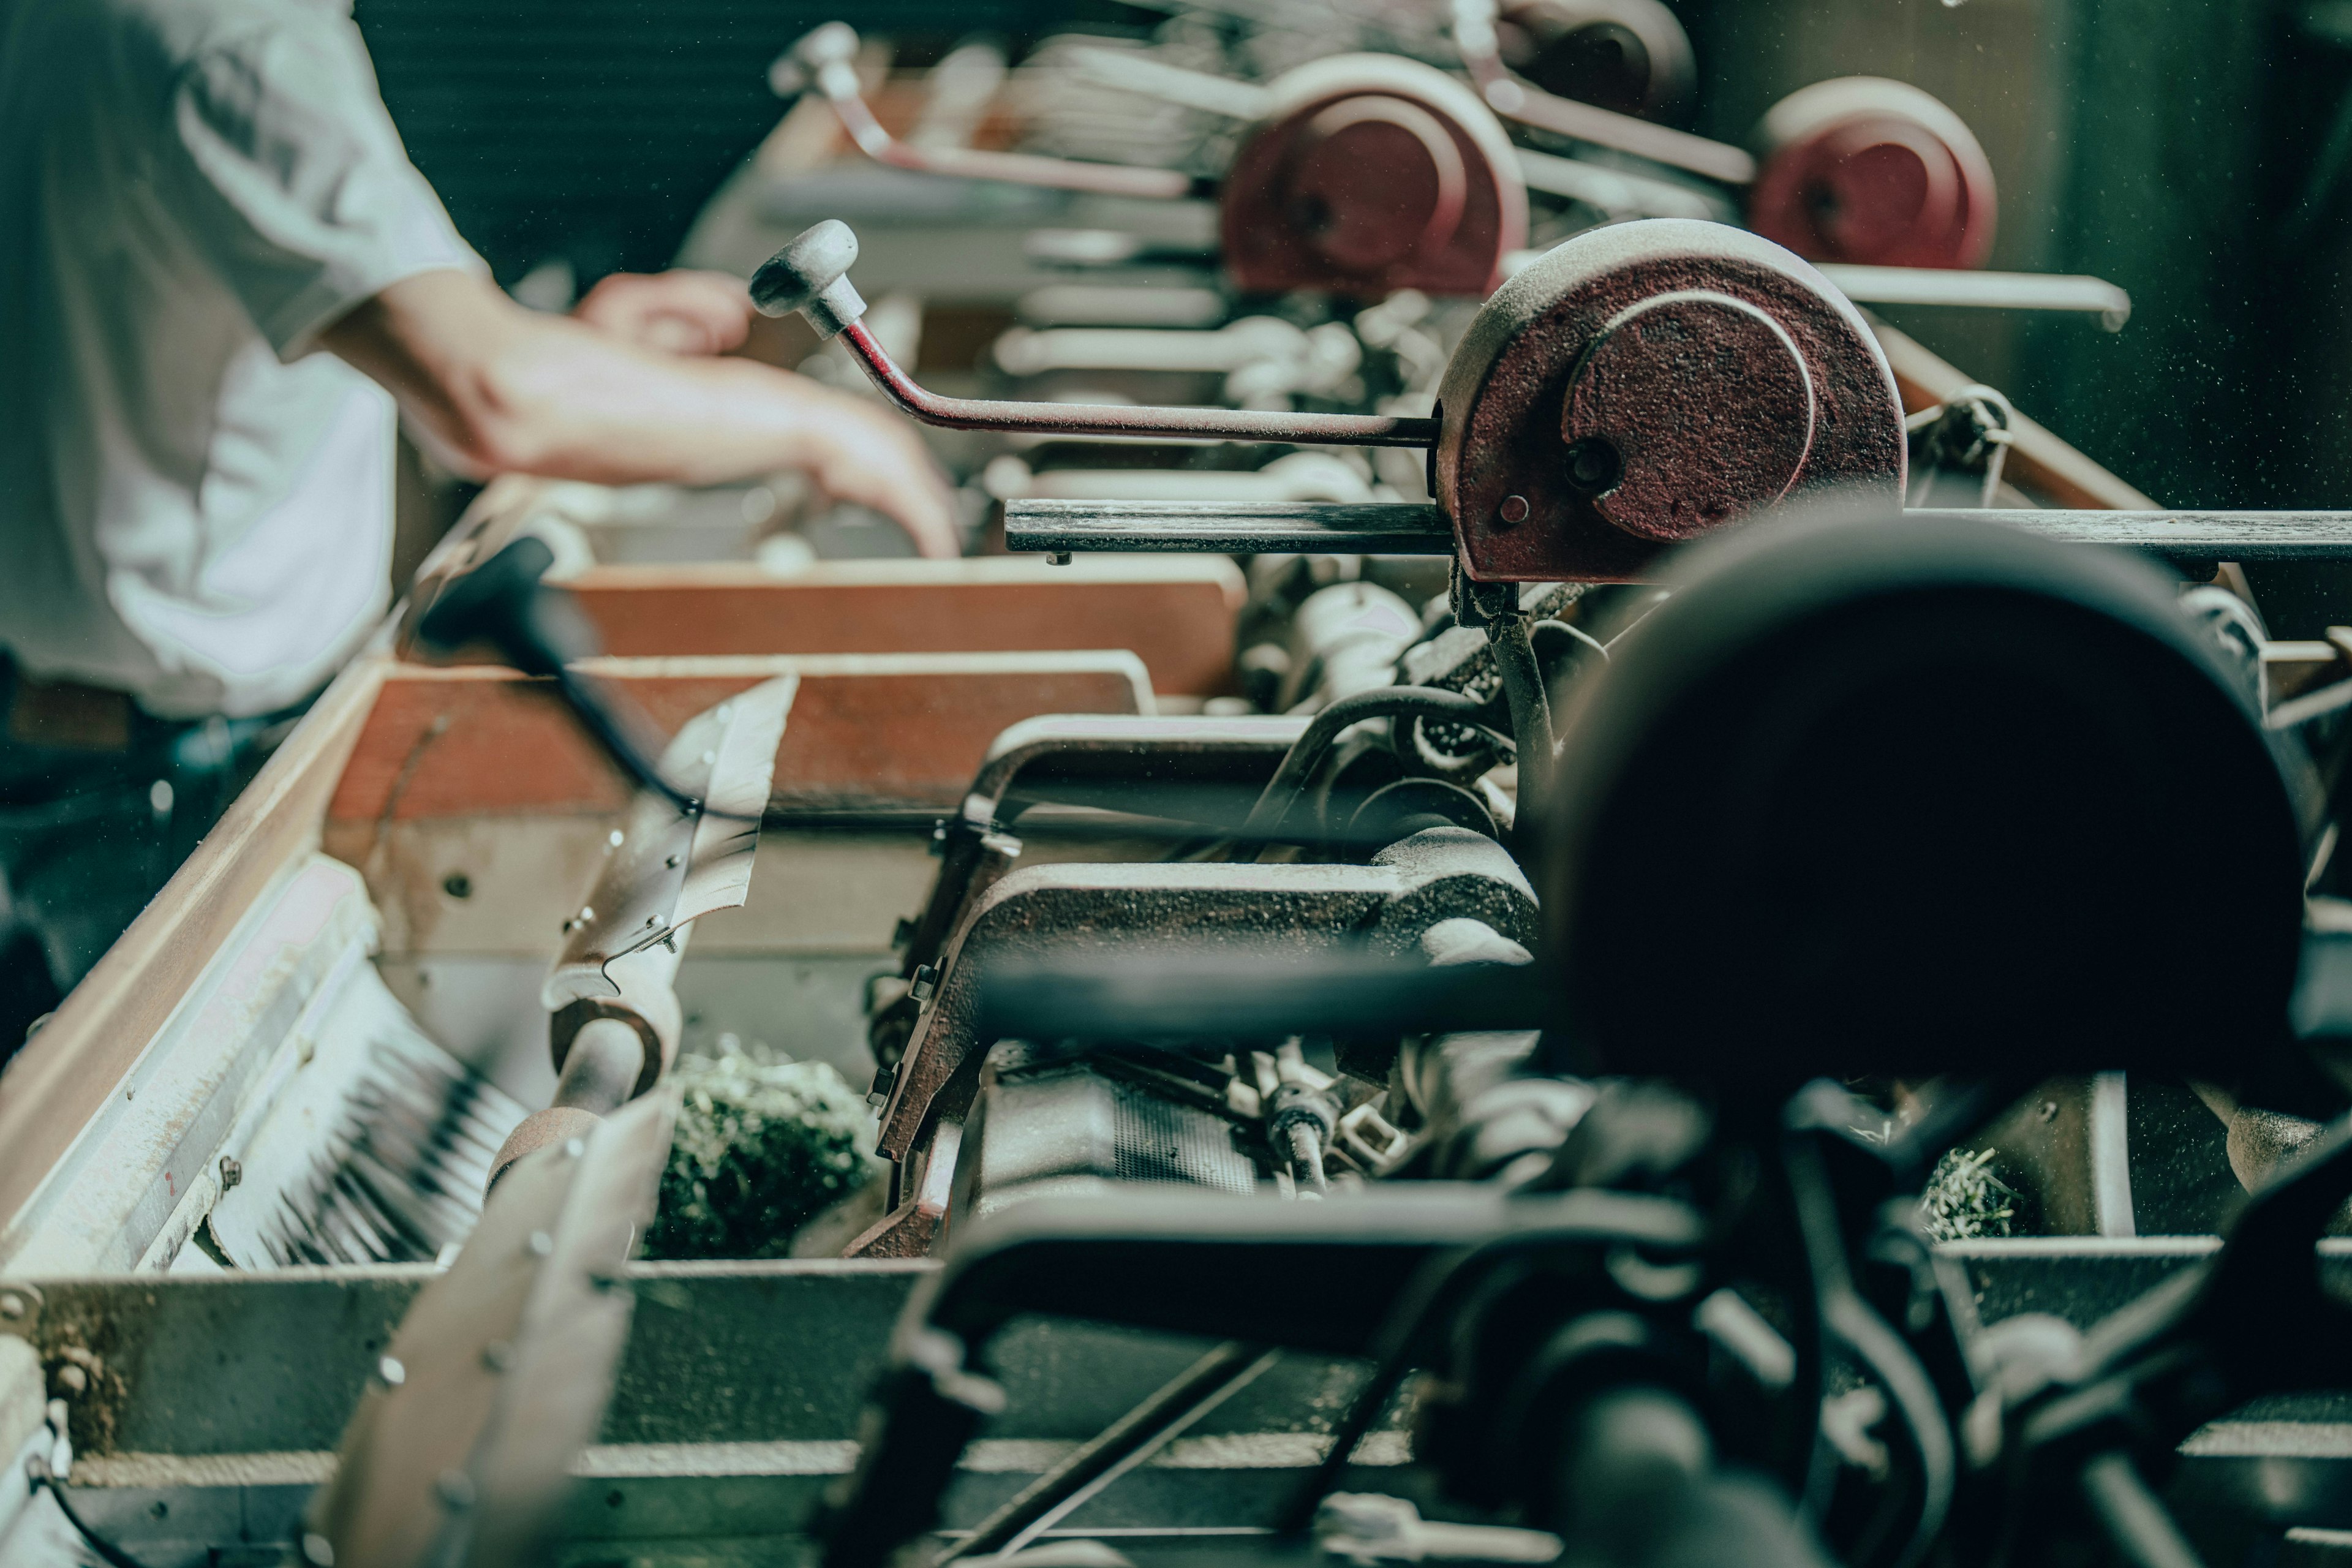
(679, 311)
(859, 451)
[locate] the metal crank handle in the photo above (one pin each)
(811, 276)
(825, 60)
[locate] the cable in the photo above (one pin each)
(110, 1554)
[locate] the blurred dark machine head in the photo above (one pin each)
(1870, 794)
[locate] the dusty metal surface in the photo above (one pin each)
(1523, 503)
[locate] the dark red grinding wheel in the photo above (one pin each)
(1372, 174)
(1647, 383)
(1631, 55)
(1872, 172)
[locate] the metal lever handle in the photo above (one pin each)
(811, 276)
(1506, 95)
(824, 60)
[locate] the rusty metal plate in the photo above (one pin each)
(1664, 348)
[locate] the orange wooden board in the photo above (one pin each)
(901, 730)
(1177, 614)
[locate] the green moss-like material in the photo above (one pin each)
(1965, 1201)
(760, 1149)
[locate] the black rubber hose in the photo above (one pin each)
(1307, 753)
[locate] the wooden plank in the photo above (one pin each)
(2040, 463)
(905, 730)
(56, 1083)
(1176, 614)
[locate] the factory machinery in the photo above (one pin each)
(1720, 951)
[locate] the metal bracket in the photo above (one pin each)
(20, 1309)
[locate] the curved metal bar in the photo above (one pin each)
(1506, 95)
(1113, 419)
(836, 79)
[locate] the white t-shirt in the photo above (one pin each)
(195, 508)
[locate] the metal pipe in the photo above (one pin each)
(1419, 528)
(1954, 288)
(602, 1069)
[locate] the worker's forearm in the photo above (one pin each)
(503, 389)
(499, 389)
(569, 403)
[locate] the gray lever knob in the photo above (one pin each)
(811, 275)
(805, 63)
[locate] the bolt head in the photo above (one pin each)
(394, 1374)
(455, 1490)
(541, 1244)
(1513, 511)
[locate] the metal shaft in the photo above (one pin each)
(1109, 419)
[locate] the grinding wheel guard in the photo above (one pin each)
(1642, 384)
(1372, 174)
(1364, 174)
(665, 868)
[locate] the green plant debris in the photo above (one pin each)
(1965, 1201)
(760, 1149)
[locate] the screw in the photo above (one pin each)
(455, 1490)
(573, 1148)
(541, 1244)
(615, 837)
(1513, 511)
(1594, 466)
(1058, 558)
(392, 1372)
(231, 1172)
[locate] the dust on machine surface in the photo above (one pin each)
(1577, 871)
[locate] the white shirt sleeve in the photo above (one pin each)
(284, 167)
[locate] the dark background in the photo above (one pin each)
(2182, 150)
